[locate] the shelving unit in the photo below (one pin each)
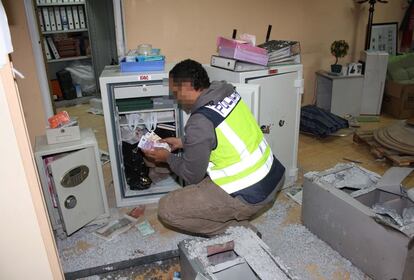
(58, 2)
(64, 31)
(69, 58)
(64, 34)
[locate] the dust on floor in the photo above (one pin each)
(306, 255)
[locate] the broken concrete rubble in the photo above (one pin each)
(248, 258)
(380, 246)
(347, 175)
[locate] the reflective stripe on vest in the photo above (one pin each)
(245, 167)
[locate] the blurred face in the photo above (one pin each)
(184, 93)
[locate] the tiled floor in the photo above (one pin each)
(314, 154)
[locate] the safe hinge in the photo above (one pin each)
(299, 84)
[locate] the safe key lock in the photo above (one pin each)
(70, 202)
(266, 128)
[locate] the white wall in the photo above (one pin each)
(25, 239)
(189, 28)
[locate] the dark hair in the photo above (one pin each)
(190, 71)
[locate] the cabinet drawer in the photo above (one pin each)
(140, 91)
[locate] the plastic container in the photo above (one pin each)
(143, 66)
(144, 49)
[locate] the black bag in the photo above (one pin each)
(136, 172)
(319, 122)
(66, 85)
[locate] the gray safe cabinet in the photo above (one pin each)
(277, 108)
(135, 102)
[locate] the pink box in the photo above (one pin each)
(241, 51)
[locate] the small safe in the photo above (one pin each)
(72, 182)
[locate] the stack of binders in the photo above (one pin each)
(71, 17)
(233, 64)
(239, 57)
(282, 52)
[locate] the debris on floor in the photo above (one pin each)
(237, 254)
(346, 175)
(113, 228)
(95, 106)
(168, 269)
(295, 193)
(104, 157)
(352, 160)
(145, 228)
(369, 228)
(367, 118)
(282, 232)
(394, 142)
(176, 275)
(398, 136)
(135, 213)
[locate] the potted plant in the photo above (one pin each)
(338, 49)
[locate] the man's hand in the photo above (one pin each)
(175, 143)
(157, 154)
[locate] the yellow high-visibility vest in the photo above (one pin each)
(242, 156)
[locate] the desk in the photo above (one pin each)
(340, 95)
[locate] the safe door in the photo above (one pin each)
(76, 182)
(278, 97)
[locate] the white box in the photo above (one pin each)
(62, 134)
(376, 63)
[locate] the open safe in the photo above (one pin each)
(72, 182)
(134, 104)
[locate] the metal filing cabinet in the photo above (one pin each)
(277, 106)
(340, 95)
(72, 182)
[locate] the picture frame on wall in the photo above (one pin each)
(384, 37)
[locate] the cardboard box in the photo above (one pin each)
(62, 134)
(347, 224)
(399, 100)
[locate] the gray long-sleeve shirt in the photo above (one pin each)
(199, 137)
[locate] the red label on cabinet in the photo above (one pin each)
(272, 71)
(144, 77)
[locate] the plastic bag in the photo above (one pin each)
(82, 74)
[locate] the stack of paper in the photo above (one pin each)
(282, 52)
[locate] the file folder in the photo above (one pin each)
(41, 24)
(58, 18)
(47, 50)
(75, 17)
(46, 19)
(52, 19)
(53, 47)
(64, 18)
(70, 17)
(82, 18)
